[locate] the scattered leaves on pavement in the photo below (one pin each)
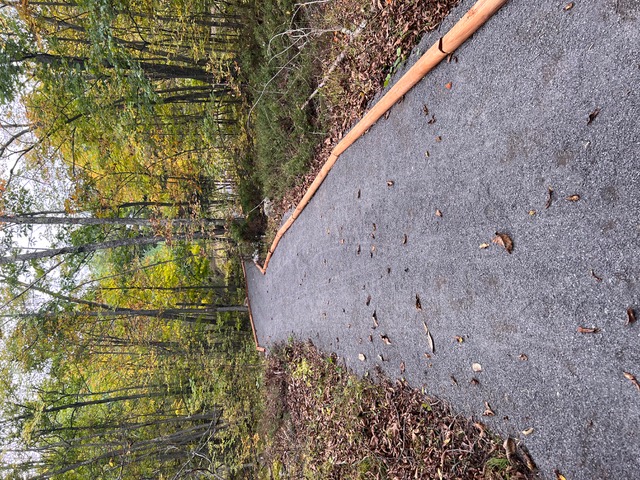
(593, 115)
(429, 338)
(503, 240)
(632, 379)
(588, 330)
(549, 197)
(631, 316)
(487, 410)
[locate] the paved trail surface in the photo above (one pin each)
(514, 123)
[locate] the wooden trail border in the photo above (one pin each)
(477, 15)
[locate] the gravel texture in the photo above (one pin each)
(514, 123)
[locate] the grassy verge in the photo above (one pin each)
(321, 421)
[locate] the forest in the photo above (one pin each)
(125, 349)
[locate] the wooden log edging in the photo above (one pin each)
(477, 16)
(253, 327)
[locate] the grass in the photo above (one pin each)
(322, 422)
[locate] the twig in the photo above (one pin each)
(334, 65)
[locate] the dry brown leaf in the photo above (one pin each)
(402, 367)
(438, 139)
(429, 338)
(432, 120)
(532, 212)
(632, 379)
(453, 380)
(593, 115)
(588, 330)
(523, 357)
(484, 246)
(481, 427)
(459, 339)
(368, 300)
(381, 358)
(374, 317)
(487, 410)
(385, 339)
(568, 6)
(448, 86)
(438, 213)
(404, 239)
(427, 154)
(418, 304)
(474, 381)
(358, 250)
(509, 446)
(358, 195)
(362, 357)
(527, 431)
(425, 109)
(504, 240)
(370, 338)
(631, 316)
(476, 367)
(549, 197)
(390, 183)
(559, 476)
(573, 198)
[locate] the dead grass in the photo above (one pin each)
(323, 422)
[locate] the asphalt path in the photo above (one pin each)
(541, 98)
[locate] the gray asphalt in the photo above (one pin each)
(514, 123)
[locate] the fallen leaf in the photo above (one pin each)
(425, 109)
(532, 212)
(487, 410)
(448, 86)
(429, 338)
(631, 316)
(368, 300)
(370, 338)
(632, 379)
(588, 330)
(476, 367)
(509, 446)
(404, 239)
(361, 357)
(568, 6)
(438, 213)
(559, 476)
(484, 245)
(385, 339)
(375, 227)
(426, 154)
(481, 427)
(549, 197)
(573, 198)
(593, 115)
(523, 357)
(504, 240)
(438, 139)
(358, 196)
(381, 358)
(432, 120)
(453, 380)
(528, 431)
(373, 248)
(342, 241)
(527, 459)
(390, 183)
(418, 304)
(459, 339)
(402, 367)
(474, 381)
(593, 274)
(374, 317)
(358, 250)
